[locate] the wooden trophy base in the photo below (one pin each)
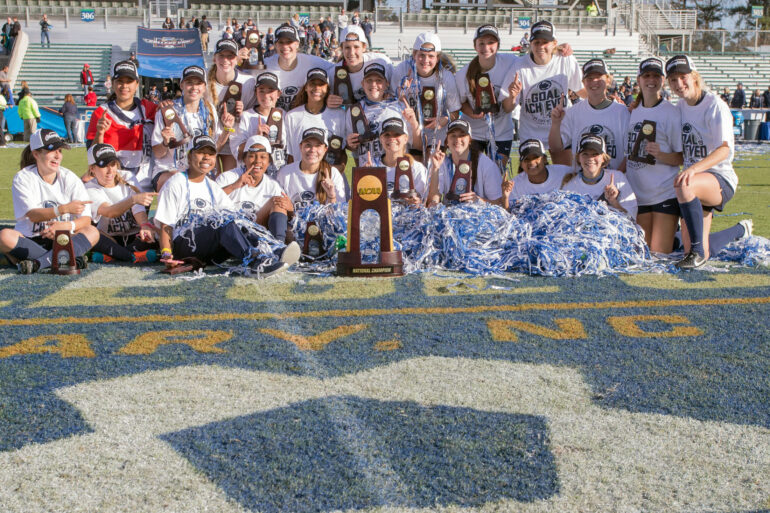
(390, 264)
(65, 271)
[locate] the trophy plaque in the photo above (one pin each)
(63, 254)
(314, 241)
(171, 118)
(646, 134)
(361, 124)
(461, 181)
(275, 136)
(185, 265)
(343, 87)
(403, 185)
(336, 155)
(232, 96)
(369, 192)
(428, 102)
(256, 54)
(486, 102)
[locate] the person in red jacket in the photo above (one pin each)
(125, 122)
(90, 98)
(86, 78)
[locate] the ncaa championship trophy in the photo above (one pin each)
(63, 254)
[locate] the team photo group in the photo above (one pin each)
(222, 171)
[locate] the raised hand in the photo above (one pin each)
(558, 112)
(144, 198)
(514, 89)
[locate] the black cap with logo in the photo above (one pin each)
(102, 154)
(542, 30)
(125, 69)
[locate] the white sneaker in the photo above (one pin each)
(291, 253)
(748, 225)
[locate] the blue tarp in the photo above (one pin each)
(165, 53)
(49, 118)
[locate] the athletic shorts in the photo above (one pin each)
(727, 193)
(669, 206)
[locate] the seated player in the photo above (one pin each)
(393, 138)
(535, 176)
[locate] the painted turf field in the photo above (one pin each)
(126, 390)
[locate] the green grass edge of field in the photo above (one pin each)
(752, 199)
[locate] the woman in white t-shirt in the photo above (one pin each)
(477, 177)
(708, 180)
(198, 116)
(653, 182)
(393, 139)
(312, 178)
(535, 176)
(598, 115)
(256, 195)
(539, 81)
(46, 198)
(355, 57)
(486, 42)
(118, 208)
(596, 180)
(221, 75)
(434, 79)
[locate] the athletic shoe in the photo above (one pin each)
(291, 253)
(691, 261)
(149, 255)
(273, 269)
(748, 225)
(100, 258)
(28, 266)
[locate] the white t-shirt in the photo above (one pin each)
(30, 192)
(626, 196)
(176, 158)
(249, 200)
(248, 126)
(502, 120)
(705, 127)
(542, 87)
(523, 187)
(181, 198)
(248, 97)
(298, 120)
(375, 114)
(489, 181)
(357, 77)
(301, 187)
(447, 97)
(610, 123)
(420, 177)
(654, 183)
(293, 80)
(124, 224)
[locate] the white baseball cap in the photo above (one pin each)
(257, 140)
(427, 38)
(353, 33)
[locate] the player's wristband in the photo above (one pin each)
(56, 210)
(227, 129)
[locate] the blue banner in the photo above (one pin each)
(165, 53)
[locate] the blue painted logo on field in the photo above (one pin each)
(350, 453)
(87, 15)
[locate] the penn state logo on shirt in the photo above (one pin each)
(541, 100)
(200, 203)
(287, 96)
(248, 206)
(606, 134)
(630, 141)
(305, 199)
(359, 94)
(693, 145)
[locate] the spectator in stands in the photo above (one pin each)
(86, 78)
(133, 59)
(342, 23)
(45, 28)
(7, 27)
(228, 33)
(29, 114)
(739, 97)
(153, 94)
(166, 93)
(766, 100)
(524, 43)
(24, 91)
(168, 24)
(15, 31)
(249, 25)
(108, 86)
(194, 23)
(183, 24)
(367, 26)
(5, 85)
(631, 96)
(356, 20)
(70, 113)
(756, 101)
(90, 98)
(205, 28)
(725, 95)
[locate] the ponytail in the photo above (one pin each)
(119, 180)
(324, 172)
(212, 79)
(27, 158)
(567, 178)
(472, 75)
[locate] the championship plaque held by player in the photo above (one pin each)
(63, 254)
(232, 96)
(461, 181)
(171, 118)
(486, 102)
(647, 134)
(256, 56)
(428, 102)
(343, 87)
(403, 186)
(361, 125)
(369, 192)
(336, 155)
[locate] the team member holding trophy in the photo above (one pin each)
(348, 74)
(47, 198)
(468, 174)
(407, 178)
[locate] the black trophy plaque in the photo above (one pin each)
(314, 241)
(461, 181)
(171, 118)
(232, 96)
(428, 102)
(343, 87)
(646, 134)
(336, 155)
(403, 184)
(361, 124)
(256, 55)
(63, 254)
(486, 101)
(369, 191)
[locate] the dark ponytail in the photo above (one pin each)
(27, 158)
(472, 76)
(324, 172)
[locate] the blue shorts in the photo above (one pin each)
(727, 193)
